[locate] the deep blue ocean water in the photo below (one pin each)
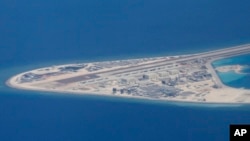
(37, 33)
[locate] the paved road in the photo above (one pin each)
(217, 54)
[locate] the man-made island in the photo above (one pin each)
(187, 78)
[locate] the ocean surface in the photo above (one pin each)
(39, 33)
(231, 78)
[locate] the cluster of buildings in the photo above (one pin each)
(93, 68)
(73, 68)
(164, 81)
(155, 81)
(29, 77)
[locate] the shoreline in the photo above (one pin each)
(12, 84)
(125, 97)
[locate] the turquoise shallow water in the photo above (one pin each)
(37, 33)
(230, 76)
(237, 80)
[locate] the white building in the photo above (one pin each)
(151, 76)
(163, 74)
(173, 72)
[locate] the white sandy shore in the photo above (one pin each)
(224, 95)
